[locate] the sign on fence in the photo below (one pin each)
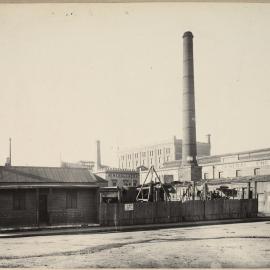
(129, 207)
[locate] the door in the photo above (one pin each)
(43, 209)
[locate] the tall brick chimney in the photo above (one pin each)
(189, 171)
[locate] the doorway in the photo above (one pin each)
(43, 209)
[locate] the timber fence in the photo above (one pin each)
(119, 214)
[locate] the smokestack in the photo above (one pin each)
(189, 154)
(98, 155)
(189, 170)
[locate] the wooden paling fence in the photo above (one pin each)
(119, 214)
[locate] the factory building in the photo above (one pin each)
(245, 174)
(231, 165)
(248, 173)
(157, 154)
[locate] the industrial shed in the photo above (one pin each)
(40, 196)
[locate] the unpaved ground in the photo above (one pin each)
(231, 245)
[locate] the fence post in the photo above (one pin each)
(115, 214)
(204, 216)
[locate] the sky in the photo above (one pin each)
(75, 73)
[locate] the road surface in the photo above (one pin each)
(230, 245)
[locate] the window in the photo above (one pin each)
(220, 174)
(134, 183)
(114, 182)
(125, 182)
(257, 171)
(71, 199)
(205, 176)
(19, 200)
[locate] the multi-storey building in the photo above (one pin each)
(158, 154)
(231, 165)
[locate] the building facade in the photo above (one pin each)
(232, 165)
(120, 177)
(41, 196)
(245, 172)
(158, 154)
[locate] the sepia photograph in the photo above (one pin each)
(134, 135)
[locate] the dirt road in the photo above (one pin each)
(231, 245)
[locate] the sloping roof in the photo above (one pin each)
(100, 179)
(29, 174)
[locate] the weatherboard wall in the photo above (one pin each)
(86, 210)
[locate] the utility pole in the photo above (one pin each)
(10, 151)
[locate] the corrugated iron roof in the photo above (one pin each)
(30, 174)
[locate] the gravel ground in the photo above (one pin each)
(231, 245)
